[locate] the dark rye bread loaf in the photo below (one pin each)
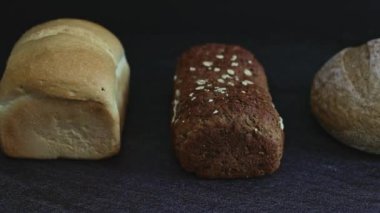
(224, 122)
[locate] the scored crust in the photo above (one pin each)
(345, 96)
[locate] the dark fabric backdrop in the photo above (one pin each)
(291, 38)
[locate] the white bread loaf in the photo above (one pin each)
(345, 96)
(63, 93)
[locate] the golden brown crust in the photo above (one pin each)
(72, 60)
(86, 31)
(54, 67)
(224, 122)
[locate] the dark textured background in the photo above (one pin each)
(292, 39)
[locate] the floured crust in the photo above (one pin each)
(71, 60)
(345, 96)
(224, 122)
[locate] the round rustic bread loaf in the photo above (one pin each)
(345, 96)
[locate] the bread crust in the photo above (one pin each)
(66, 59)
(224, 122)
(345, 96)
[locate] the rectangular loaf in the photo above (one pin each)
(63, 93)
(224, 122)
